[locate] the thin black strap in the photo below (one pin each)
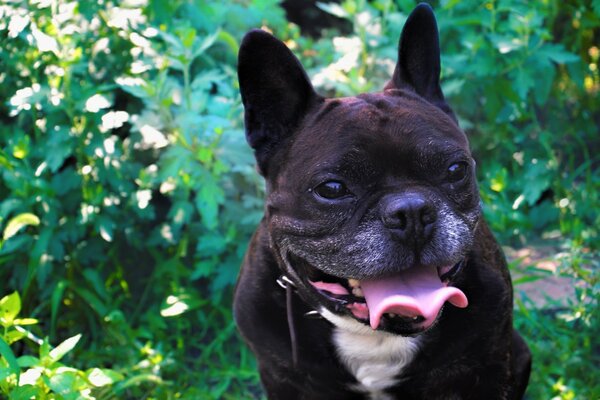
(290, 320)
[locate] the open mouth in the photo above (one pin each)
(408, 302)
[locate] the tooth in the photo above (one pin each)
(353, 283)
(392, 315)
(357, 292)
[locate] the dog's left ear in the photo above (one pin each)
(418, 67)
(276, 93)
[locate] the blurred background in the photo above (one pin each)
(128, 193)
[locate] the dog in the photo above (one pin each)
(372, 274)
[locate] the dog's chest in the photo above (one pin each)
(376, 359)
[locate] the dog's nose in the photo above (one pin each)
(409, 216)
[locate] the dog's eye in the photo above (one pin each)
(332, 190)
(457, 171)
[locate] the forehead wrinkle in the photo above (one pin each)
(398, 126)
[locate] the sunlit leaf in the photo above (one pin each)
(59, 351)
(175, 306)
(103, 377)
(25, 321)
(18, 222)
(10, 306)
(333, 9)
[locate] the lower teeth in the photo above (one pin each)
(415, 318)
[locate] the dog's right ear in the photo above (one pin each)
(418, 67)
(276, 93)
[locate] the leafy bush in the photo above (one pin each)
(123, 138)
(129, 194)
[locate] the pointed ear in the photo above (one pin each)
(276, 93)
(418, 67)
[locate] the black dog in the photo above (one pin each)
(372, 225)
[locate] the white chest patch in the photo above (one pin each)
(374, 358)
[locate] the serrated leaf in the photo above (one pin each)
(59, 147)
(208, 200)
(15, 224)
(557, 53)
(59, 351)
(211, 244)
(205, 44)
(524, 81)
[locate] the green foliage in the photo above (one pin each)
(42, 376)
(128, 194)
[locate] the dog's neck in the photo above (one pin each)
(376, 359)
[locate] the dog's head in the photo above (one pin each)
(373, 195)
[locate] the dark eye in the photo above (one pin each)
(332, 190)
(457, 171)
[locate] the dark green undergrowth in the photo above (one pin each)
(128, 194)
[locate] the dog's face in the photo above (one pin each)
(372, 200)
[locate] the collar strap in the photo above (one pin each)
(289, 286)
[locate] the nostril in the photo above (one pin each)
(428, 216)
(395, 219)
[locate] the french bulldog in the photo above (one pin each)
(372, 274)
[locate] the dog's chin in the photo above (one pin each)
(397, 310)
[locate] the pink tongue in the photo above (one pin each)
(414, 292)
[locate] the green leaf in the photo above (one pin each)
(557, 53)
(137, 380)
(523, 82)
(64, 382)
(18, 222)
(59, 147)
(4, 373)
(543, 86)
(7, 353)
(44, 349)
(537, 179)
(186, 35)
(28, 361)
(229, 40)
(211, 244)
(25, 321)
(13, 336)
(57, 296)
(209, 198)
(59, 351)
(26, 392)
(10, 306)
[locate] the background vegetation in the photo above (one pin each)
(127, 192)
